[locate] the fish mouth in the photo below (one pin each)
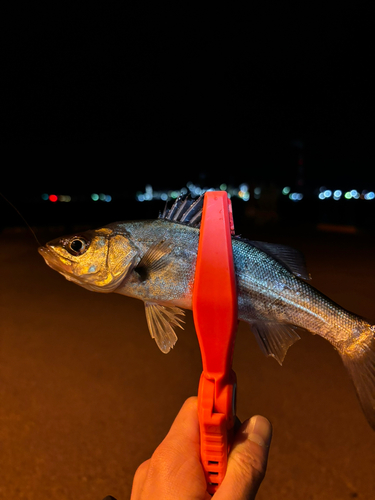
(54, 261)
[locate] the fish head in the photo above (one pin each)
(98, 260)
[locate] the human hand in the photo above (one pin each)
(175, 471)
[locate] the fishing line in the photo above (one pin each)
(22, 217)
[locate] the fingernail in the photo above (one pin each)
(260, 431)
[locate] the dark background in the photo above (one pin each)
(114, 97)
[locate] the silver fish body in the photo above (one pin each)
(154, 261)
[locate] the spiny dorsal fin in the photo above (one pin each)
(290, 258)
(161, 320)
(185, 210)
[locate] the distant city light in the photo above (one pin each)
(295, 196)
(244, 192)
(257, 191)
(244, 195)
(65, 198)
(101, 197)
(337, 194)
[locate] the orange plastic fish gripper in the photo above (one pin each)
(215, 319)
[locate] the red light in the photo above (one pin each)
(52, 197)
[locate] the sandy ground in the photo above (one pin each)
(86, 396)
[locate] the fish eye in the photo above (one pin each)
(77, 245)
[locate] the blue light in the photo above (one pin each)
(370, 195)
(296, 196)
(337, 194)
(321, 196)
(327, 193)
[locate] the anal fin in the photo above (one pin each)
(274, 338)
(161, 321)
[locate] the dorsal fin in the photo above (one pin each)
(184, 210)
(290, 258)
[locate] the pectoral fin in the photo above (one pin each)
(161, 320)
(274, 338)
(155, 259)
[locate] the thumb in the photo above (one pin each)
(247, 461)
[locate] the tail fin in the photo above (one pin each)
(359, 359)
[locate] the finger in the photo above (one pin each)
(139, 479)
(185, 428)
(174, 470)
(247, 461)
(182, 436)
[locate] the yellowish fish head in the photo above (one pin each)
(98, 260)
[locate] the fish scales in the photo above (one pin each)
(267, 291)
(154, 261)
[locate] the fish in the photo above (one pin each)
(154, 261)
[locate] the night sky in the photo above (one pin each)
(166, 94)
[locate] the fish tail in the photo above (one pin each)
(359, 359)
